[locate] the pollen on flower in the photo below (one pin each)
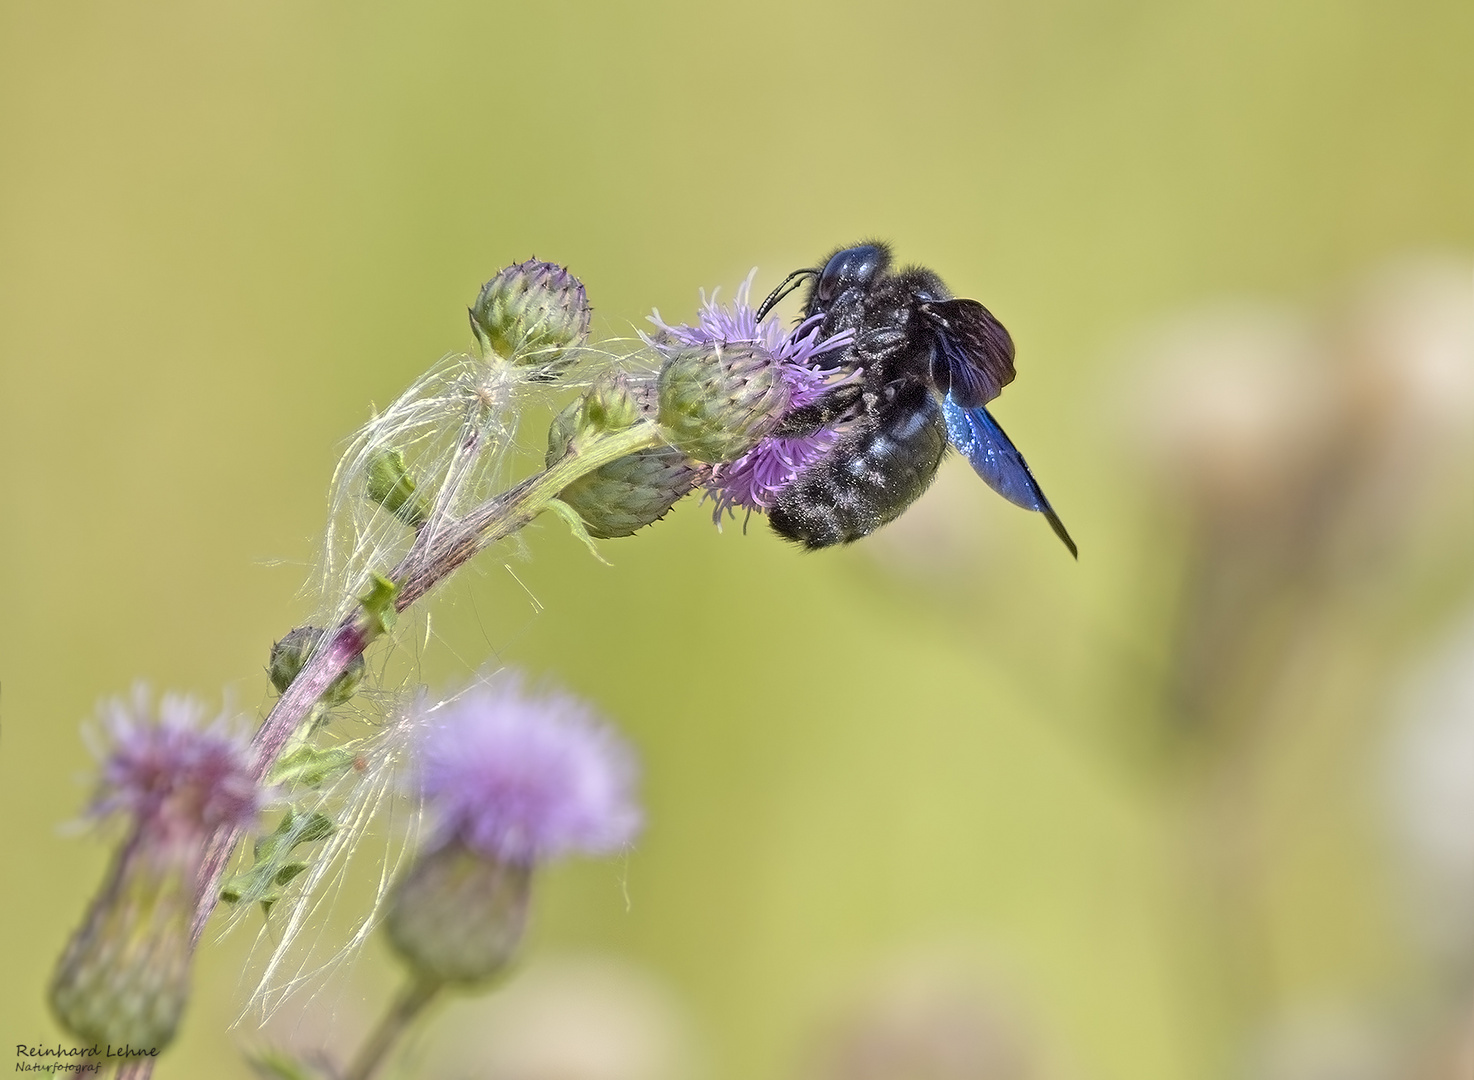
(753, 481)
(523, 777)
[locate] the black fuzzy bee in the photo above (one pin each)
(929, 364)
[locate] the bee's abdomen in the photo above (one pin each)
(869, 478)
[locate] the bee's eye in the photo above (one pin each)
(851, 267)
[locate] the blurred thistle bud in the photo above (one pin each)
(930, 1018)
(290, 655)
(389, 484)
(1237, 409)
(511, 780)
(717, 401)
(124, 977)
(458, 916)
(532, 314)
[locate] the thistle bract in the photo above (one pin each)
(457, 916)
(609, 405)
(637, 490)
(631, 492)
(717, 401)
(532, 314)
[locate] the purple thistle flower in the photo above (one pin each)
(124, 976)
(171, 770)
(523, 778)
(754, 480)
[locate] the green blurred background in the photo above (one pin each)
(948, 758)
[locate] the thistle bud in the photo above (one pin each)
(610, 405)
(531, 314)
(290, 655)
(458, 916)
(717, 401)
(389, 484)
(634, 491)
(124, 976)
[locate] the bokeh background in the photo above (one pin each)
(945, 804)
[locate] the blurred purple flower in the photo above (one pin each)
(124, 975)
(170, 770)
(753, 481)
(521, 778)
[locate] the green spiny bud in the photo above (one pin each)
(290, 655)
(717, 401)
(457, 916)
(531, 314)
(609, 405)
(631, 492)
(390, 485)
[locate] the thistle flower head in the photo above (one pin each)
(522, 778)
(171, 764)
(512, 779)
(753, 480)
(124, 976)
(718, 400)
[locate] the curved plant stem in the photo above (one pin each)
(428, 563)
(409, 1004)
(439, 550)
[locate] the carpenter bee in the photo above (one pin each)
(929, 363)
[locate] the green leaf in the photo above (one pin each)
(310, 766)
(576, 526)
(378, 605)
(263, 881)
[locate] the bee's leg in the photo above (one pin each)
(808, 420)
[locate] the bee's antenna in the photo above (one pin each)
(783, 290)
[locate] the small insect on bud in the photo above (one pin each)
(389, 484)
(290, 655)
(124, 977)
(717, 401)
(531, 314)
(511, 781)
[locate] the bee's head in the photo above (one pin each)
(852, 268)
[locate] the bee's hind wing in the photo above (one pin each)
(994, 457)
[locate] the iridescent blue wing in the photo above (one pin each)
(972, 354)
(990, 452)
